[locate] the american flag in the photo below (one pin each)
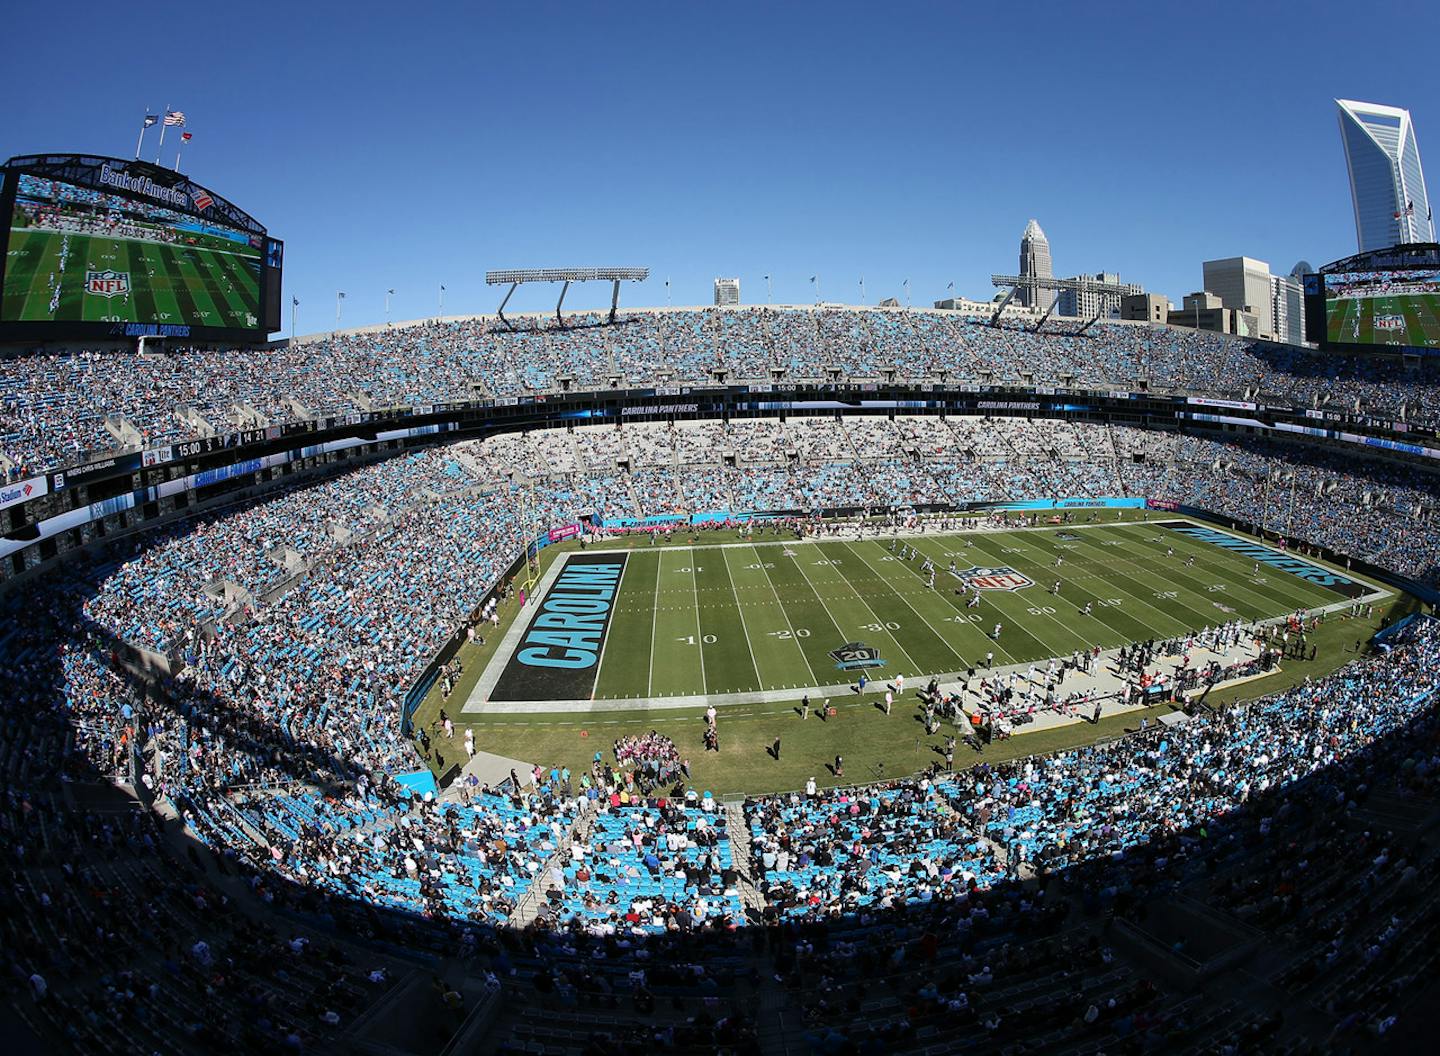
(175, 117)
(203, 201)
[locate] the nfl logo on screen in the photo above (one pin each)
(1000, 578)
(107, 283)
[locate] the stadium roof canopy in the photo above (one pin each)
(516, 276)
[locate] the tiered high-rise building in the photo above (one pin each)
(1035, 261)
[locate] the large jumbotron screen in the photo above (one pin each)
(1395, 308)
(114, 251)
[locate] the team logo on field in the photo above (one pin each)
(1001, 577)
(108, 283)
(856, 655)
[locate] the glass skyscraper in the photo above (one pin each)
(1387, 184)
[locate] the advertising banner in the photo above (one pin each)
(23, 491)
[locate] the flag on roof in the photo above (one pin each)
(184, 137)
(175, 117)
(340, 295)
(151, 120)
(295, 302)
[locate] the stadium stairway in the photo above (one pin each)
(739, 829)
(527, 908)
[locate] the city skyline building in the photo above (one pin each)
(1287, 309)
(1085, 303)
(1387, 183)
(1035, 263)
(1243, 284)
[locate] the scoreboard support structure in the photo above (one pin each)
(565, 276)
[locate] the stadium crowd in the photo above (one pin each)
(292, 627)
(58, 408)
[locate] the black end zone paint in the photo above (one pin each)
(558, 657)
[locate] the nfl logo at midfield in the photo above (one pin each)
(108, 283)
(1001, 577)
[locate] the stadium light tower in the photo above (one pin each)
(515, 276)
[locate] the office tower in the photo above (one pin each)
(1035, 261)
(1387, 185)
(1243, 285)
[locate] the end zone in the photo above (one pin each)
(555, 654)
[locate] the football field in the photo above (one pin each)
(665, 626)
(1353, 320)
(200, 285)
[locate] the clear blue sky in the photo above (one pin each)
(404, 145)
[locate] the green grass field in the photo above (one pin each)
(201, 285)
(1351, 320)
(740, 616)
(738, 619)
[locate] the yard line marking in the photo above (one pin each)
(1045, 555)
(1155, 567)
(784, 612)
(741, 609)
(1214, 559)
(901, 595)
(700, 629)
(910, 659)
(994, 643)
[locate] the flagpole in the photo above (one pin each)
(338, 298)
(293, 305)
(161, 148)
(177, 152)
(140, 139)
